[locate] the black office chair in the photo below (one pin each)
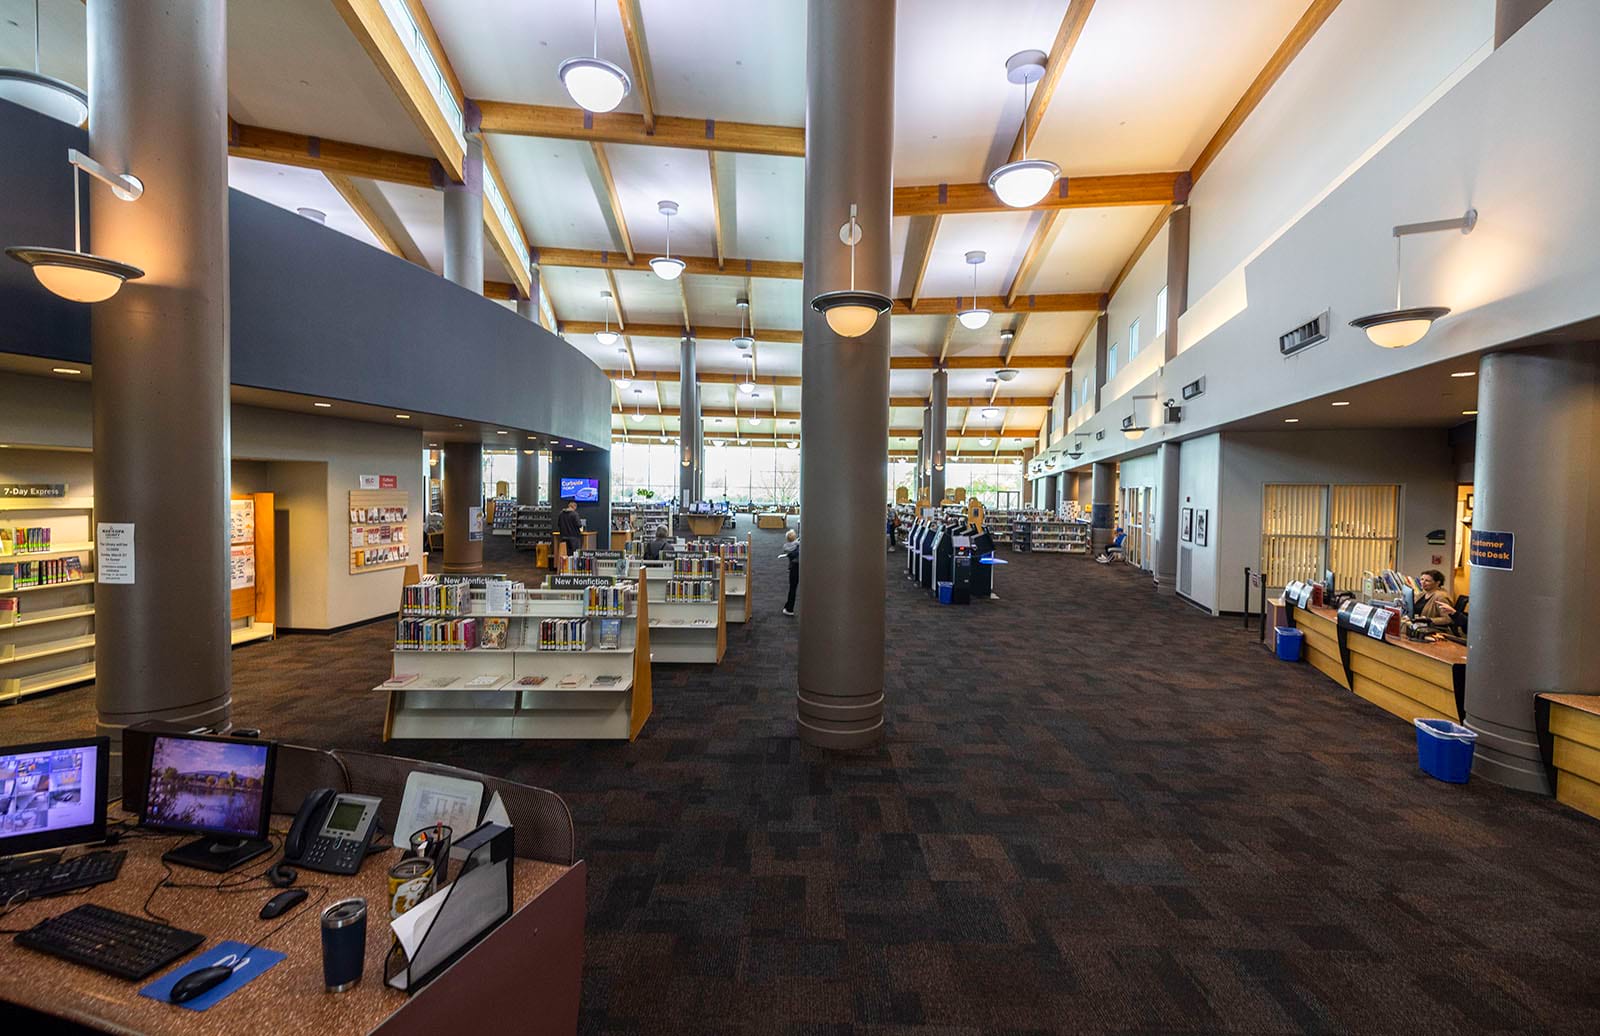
(1458, 621)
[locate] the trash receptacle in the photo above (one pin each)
(1289, 642)
(1444, 749)
(946, 592)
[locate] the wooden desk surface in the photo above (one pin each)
(1446, 651)
(288, 1000)
(1589, 703)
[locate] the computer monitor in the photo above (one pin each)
(217, 787)
(53, 794)
(1408, 597)
(1327, 582)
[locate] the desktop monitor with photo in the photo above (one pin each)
(53, 794)
(217, 787)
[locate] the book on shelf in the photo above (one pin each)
(606, 682)
(609, 634)
(571, 680)
(494, 633)
(439, 683)
(9, 606)
(532, 681)
(485, 682)
(400, 680)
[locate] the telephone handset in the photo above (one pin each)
(332, 831)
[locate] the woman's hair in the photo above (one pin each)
(661, 532)
(791, 535)
(1438, 577)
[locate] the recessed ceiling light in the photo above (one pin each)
(1463, 374)
(323, 405)
(65, 370)
(1469, 413)
(1341, 402)
(1291, 420)
(403, 417)
(500, 431)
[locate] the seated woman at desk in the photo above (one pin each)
(1433, 604)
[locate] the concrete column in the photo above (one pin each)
(1102, 343)
(528, 310)
(691, 446)
(1168, 504)
(528, 477)
(158, 109)
(1511, 15)
(1027, 487)
(939, 432)
(1538, 452)
(1052, 488)
(1103, 489)
(1177, 274)
(463, 490)
(927, 454)
(463, 221)
(845, 381)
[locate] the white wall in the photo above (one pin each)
(1199, 487)
(1365, 71)
(1416, 459)
(1136, 300)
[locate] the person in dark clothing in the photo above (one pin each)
(570, 528)
(653, 549)
(791, 550)
(889, 526)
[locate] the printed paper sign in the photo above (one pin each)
(388, 481)
(242, 566)
(241, 521)
(369, 481)
(1491, 549)
(114, 552)
(1379, 624)
(474, 524)
(1360, 615)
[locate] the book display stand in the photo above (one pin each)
(491, 658)
(47, 591)
(688, 608)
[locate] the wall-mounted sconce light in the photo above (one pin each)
(1402, 326)
(851, 313)
(1173, 412)
(1137, 423)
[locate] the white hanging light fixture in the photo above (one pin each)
(606, 336)
(974, 316)
(1026, 181)
(1399, 327)
(637, 416)
(77, 275)
(741, 340)
(989, 413)
(665, 266)
(985, 441)
(793, 444)
(41, 93)
(595, 84)
(748, 385)
(851, 313)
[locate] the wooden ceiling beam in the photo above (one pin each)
(1016, 334)
(715, 334)
(594, 260)
(1034, 255)
(918, 261)
(369, 215)
(1067, 302)
(538, 120)
(1299, 35)
(970, 401)
(716, 208)
(1078, 192)
(1140, 248)
(1066, 40)
(639, 57)
(944, 346)
(960, 363)
(611, 200)
(705, 378)
(333, 156)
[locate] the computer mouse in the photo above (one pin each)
(196, 982)
(282, 903)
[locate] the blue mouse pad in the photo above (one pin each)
(257, 963)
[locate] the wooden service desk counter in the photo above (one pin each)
(1407, 678)
(704, 524)
(1569, 740)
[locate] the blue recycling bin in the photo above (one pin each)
(946, 592)
(1289, 642)
(1445, 749)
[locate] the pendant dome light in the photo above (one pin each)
(1399, 327)
(606, 336)
(748, 385)
(665, 266)
(595, 84)
(741, 340)
(793, 444)
(637, 416)
(77, 275)
(851, 313)
(974, 317)
(1026, 181)
(41, 93)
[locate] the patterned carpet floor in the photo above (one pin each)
(1097, 810)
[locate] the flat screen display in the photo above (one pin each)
(580, 489)
(52, 795)
(217, 786)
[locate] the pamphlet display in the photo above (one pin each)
(252, 561)
(379, 530)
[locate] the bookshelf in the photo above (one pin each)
(998, 525)
(535, 524)
(526, 688)
(736, 572)
(378, 530)
(47, 596)
(647, 516)
(503, 511)
(688, 619)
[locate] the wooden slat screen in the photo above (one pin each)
(1363, 530)
(1293, 532)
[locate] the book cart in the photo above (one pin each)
(491, 658)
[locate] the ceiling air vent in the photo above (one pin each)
(1305, 336)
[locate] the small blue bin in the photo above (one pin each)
(1444, 749)
(946, 591)
(1289, 642)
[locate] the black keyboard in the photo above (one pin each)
(119, 944)
(36, 881)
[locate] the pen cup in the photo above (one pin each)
(344, 944)
(433, 843)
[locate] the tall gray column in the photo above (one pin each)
(1168, 503)
(463, 221)
(939, 431)
(845, 381)
(1538, 453)
(463, 490)
(1511, 15)
(528, 477)
(528, 310)
(1177, 274)
(1052, 487)
(158, 102)
(1102, 340)
(1102, 490)
(927, 457)
(691, 444)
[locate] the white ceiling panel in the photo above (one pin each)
(736, 60)
(764, 214)
(779, 360)
(62, 34)
(1004, 236)
(421, 212)
(575, 293)
(713, 300)
(917, 335)
(553, 185)
(1053, 334)
(646, 176)
(777, 305)
(290, 187)
(1090, 246)
(647, 299)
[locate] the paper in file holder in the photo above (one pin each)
(437, 931)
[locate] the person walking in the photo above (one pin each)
(791, 551)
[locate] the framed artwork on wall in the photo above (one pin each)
(1186, 525)
(1200, 527)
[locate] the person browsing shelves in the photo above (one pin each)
(570, 528)
(791, 551)
(654, 549)
(1434, 603)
